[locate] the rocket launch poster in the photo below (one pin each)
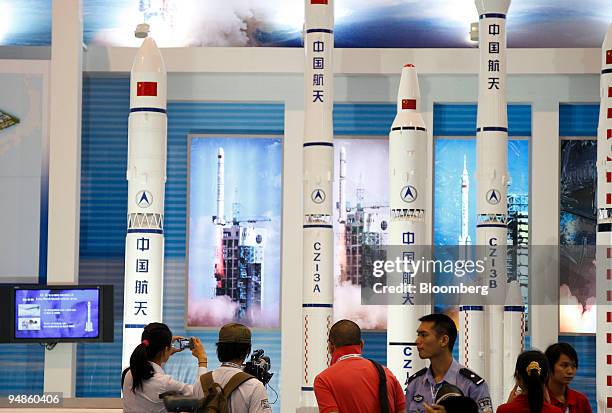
(577, 227)
(361, 218)
(234, 234)
(449, 158)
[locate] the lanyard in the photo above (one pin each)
(349, 356)
(434, 392)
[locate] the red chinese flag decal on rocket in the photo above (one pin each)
(609, 57)
(409, 104)
(318, 1)
(146, 89)
(610, 92)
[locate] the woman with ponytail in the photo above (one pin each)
(531, 375)
(144, 380)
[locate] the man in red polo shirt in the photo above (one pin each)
(350, 384)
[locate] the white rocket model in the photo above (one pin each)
(407, 182)
(491, 191)
(604, 233)
(464, 238)
(318, 283)
(88, 323)
(146, 175)
(514, 332)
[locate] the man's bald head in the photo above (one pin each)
(345, 333)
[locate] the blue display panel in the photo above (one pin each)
(42, 314)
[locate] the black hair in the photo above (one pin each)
(232, 351)
(444, 325)
(532, 368)
(554, 351)
(345, 333)
(459, 404)
(158, 337)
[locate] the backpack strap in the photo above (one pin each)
(207, 382)
(233, 383)
(382, 387)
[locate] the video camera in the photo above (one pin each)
(259, 366)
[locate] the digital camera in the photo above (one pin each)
(183, 343)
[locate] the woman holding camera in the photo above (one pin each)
(144, 380)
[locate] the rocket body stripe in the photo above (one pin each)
(318, 152)
(604, 236)
(146, 175)
(407, 183)
(158, 110)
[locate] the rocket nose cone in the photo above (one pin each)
(492, 6)
(409, 83)
(148, 58)
(513, 294)
(607, 43)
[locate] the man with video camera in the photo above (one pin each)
(246, 392)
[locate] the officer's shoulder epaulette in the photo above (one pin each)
(417, 374)
(470, 375)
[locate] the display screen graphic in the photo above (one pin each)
(361, 221)
(577, 230)
(56, 314)
(456, 158)
(234, 260)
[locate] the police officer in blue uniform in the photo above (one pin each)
(435, 341)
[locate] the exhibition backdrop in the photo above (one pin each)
(23, 171)
(23, 203)
(278, 23)
(103, 212)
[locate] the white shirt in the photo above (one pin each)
(146, 399)
(249, 397)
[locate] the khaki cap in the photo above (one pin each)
(235, 333)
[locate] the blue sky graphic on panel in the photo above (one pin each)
(448, 169)
(234, 268)
(278, 23)
(448, 157)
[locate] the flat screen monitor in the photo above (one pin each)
(62, 313)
